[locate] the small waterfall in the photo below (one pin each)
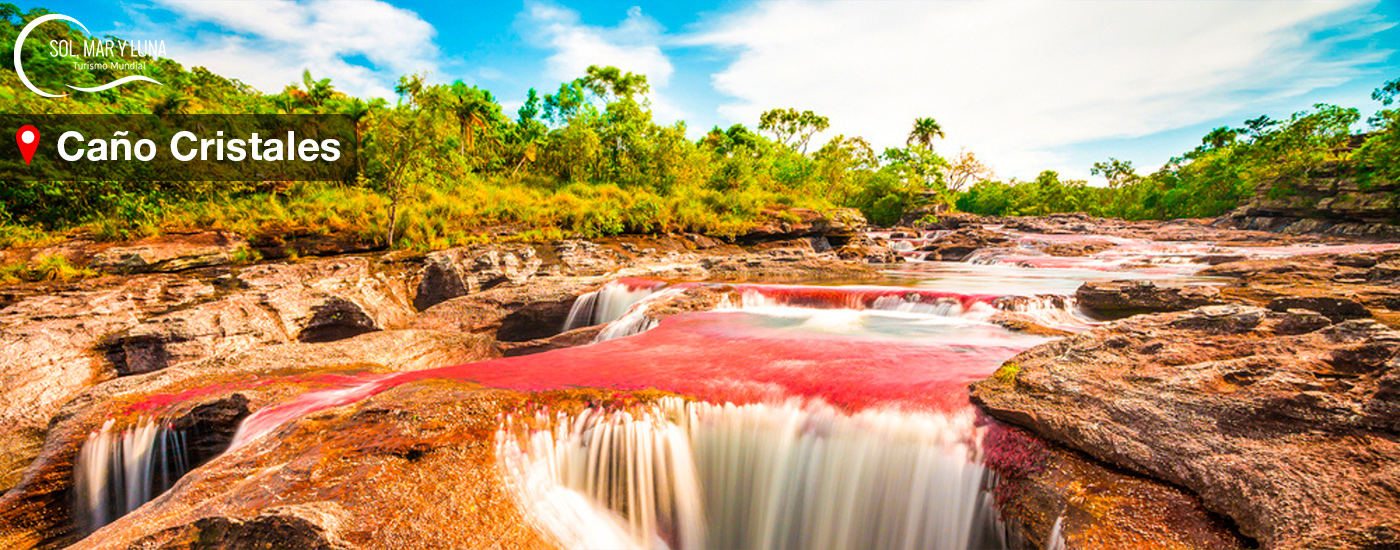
(118, 471)
(855, 297)
(636, 319)
(638, 467)
(1056, 539)
(609, 303)
(1052, 310)
(693, 475)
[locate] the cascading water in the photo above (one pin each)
(118, 471)
(636, 320)
(693, 475)
(609, 303)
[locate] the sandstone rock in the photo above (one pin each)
(1120, 298)
(792, 223)
(1045, 490)
(214, 394)
(460, 271)
(1333, 308)
(866, 249)
(1290, 435)
(310, 526)
(168, 253)
(577, 337)
(56, 345)
(958, 244)
(510, 313)
(412, 467)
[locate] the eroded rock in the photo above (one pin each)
(1121, 298)
(1290, 435)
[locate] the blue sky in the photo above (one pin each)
(1025, 84)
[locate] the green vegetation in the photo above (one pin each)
(42, 268)
(444, 165)
(1227, 167)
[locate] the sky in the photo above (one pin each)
(1026, 85)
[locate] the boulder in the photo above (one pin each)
(461, 271)
(1051, 497)
(1121, 298)
(1336, 309)
(957, 245)
(1290, 434)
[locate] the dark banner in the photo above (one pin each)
(177, 148)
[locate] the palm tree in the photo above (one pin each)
(172, 102)
(357, 109)
(317, 91)
(924, 132)
(472, 107)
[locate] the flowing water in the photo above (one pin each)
(119, 470)
(813, 417)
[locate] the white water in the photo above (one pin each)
(606, 304)
(636, 319)
(696, 475)
(118, 471)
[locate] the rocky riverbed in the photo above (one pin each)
(1250, 397)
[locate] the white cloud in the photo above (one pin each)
(633, 45)
(1013, 80)
(267, 43)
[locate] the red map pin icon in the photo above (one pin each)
(28, 139)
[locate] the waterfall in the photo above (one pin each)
(1052, 310)
(118, 471)
(636, 319)
(609, 303)
(693, 475)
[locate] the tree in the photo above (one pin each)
(791, 128)
(1117, 172)
(1387, 93)
(605, 81)
(317, 91)
(172, 102)
(842, 155)
(966, 169)
(403, 132)
(473, 108)
(924, 132)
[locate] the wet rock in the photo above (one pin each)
(1333, 308)
(461, 271)
(510, 313)
(864, 248)
(169, 253)
(208, 398)
(783, 264)
(56, 345)
(1300, 321)
(1229, 318)
(412, 467)
(577, 337)
(957, 245)
(311, 526)
(1122, 298)
(1290, 435)
(1046, 491)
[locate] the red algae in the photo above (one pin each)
(718, 357)
(856, 297)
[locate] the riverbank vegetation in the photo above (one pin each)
(446, 164)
